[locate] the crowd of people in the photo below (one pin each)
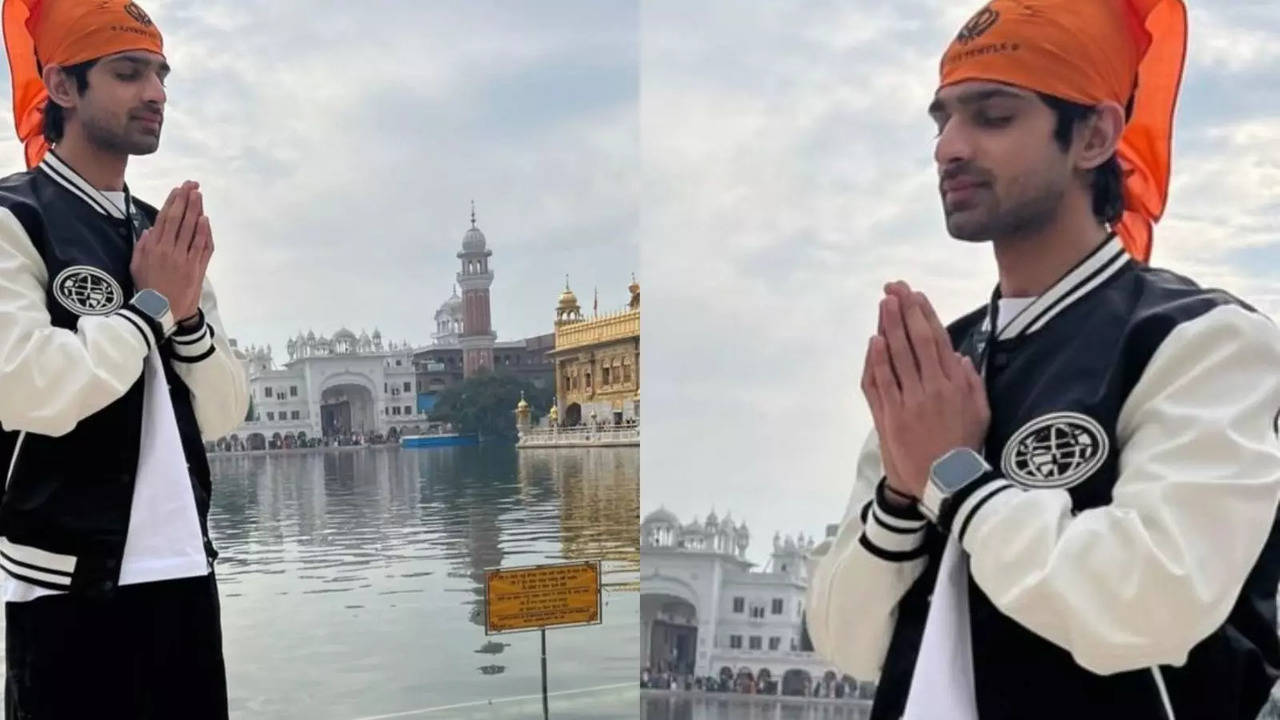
(747, 683)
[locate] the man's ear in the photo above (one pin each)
(1099, 135)
(61, 86)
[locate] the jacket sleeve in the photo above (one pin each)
(856, 586)
(202, 357)
(51, 378)
(1141, 581)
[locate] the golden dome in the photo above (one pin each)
(554, 413)
(634, 287)
(567, 299)
(523, 405)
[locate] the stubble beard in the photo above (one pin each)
(995, 221)
(109, 138)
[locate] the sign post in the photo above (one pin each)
(536, 597)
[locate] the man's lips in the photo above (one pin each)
(960, 184)
(150, 119)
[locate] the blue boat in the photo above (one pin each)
(442, 440)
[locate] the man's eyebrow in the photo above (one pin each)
(974, 97)
(139, 62)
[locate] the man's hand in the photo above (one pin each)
(171, 256)
(925, 399)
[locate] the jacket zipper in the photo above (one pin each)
(13, 461)
(1165, 703)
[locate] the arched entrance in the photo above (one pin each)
(745, 681)
(256, 441)
(572, 415)
(393, 435)
(346, 408)
(797, 682)
(672, 626)
(827, 686)
(765, 679)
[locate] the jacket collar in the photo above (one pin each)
(62, 173)
(1103, 262)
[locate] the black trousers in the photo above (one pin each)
(149, 652)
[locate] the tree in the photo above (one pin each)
(249, 415)
(485, 403)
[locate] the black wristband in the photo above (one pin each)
(910, 512)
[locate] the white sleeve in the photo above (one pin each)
(1141, 581)
(51, 378)
(203, 359)
(857, 585)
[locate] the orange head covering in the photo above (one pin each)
(1090, 51)
(64, 32)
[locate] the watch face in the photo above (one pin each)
(957, 469)
(152, 303)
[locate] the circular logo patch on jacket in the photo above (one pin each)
(1058, 450)
(87, 290)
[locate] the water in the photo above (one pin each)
(661, 705)
(351, 581)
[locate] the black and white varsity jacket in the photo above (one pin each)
(72, 382)
(1124, 555)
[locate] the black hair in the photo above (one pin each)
(1107, 182)
(55, 118)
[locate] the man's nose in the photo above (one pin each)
(954, 144)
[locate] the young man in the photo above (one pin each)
(113, 365)
(1068, 506)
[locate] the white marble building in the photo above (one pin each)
(329, 385)
(352, 383)
(705, 611)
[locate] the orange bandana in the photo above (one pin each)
(1090, 51)
(64, 33)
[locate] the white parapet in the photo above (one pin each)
(581, 436)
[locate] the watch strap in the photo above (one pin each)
(147, 326)
(953, 502)
(162, 326)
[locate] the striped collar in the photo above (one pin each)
(58, 169)
(1106, 260)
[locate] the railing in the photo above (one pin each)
(795, 656)
(272, 425)
(603, 435)
(604, 328)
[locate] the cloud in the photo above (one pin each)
(789, 174)
(339, 145)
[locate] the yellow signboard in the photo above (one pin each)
(541, 596)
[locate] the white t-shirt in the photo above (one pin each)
(942, 685)
(164, 540)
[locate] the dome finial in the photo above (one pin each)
(473, 213)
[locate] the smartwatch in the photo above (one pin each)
(155, 308)
(951, 473)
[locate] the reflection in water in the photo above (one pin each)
(353, 579)
(659, 705)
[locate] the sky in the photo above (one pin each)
(788, 174)
(339, 146)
